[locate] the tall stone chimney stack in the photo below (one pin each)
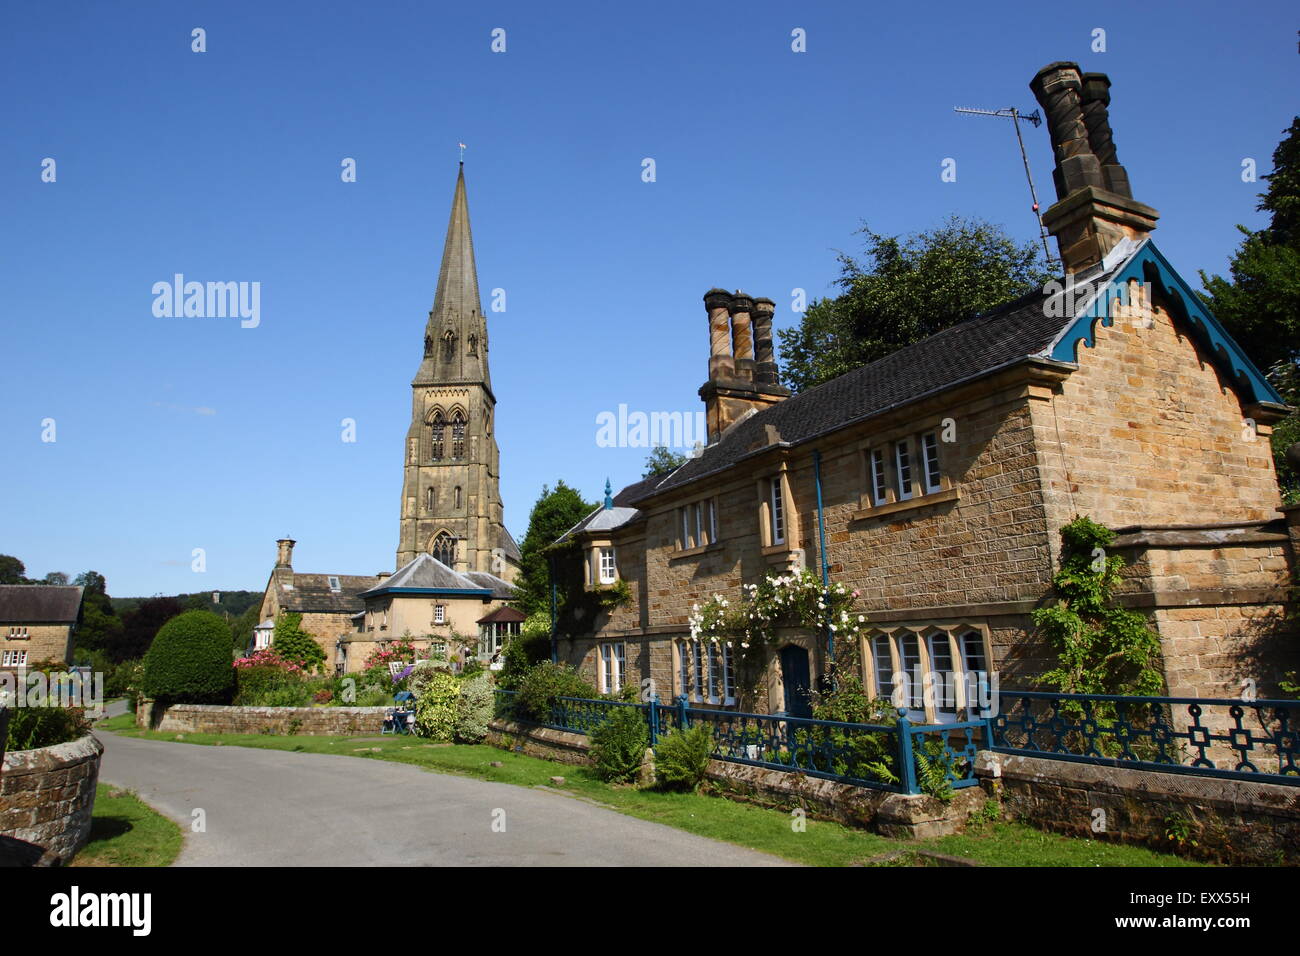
(742, 335)
(284, 553)
(765, 370)
(743, 378)
(1095, 208)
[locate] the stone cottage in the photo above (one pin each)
(935, 481)
(37, 623)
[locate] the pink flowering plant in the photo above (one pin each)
(267, 657)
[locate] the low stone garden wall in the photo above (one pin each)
(46, 800)
(891, 814)
(1210, 818)
(216, 719)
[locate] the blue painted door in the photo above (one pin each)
(795, 675)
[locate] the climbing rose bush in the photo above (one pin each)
(790, 600)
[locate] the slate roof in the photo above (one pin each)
(312, 594)
(499, 588)
(508, 544)
(1013, 333)
(39, 603)
(505, 615)
(427, 572)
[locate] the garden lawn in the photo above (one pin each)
(125, 831)
(769, 831)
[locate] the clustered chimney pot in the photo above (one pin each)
(284, 552)
(1095, 209)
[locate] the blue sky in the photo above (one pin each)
(183, 433)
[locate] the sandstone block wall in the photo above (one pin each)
(47, 797)
(1150, 432)
(44, 642)
(217, 719)
(1231, 821)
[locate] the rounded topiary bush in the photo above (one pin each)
(189, 661)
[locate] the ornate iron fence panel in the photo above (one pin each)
(582, 716)
(944, 754)
(862, 754)
(1215, 737)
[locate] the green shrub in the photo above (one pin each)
(124, 680)
(859, 754)
(294, 644)
(257, 686)
(618, 744)
(34, 727)
(189, 661)
(435, 708)
(682, 757)
(545, 682)
(474, 709)
(522, 653)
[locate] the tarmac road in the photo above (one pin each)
(276, 808)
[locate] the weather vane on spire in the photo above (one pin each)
(462, 152)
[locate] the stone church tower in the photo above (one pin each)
(451, 500)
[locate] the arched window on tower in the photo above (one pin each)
(444, 549)
(458, 434)
(436, 428)
(457, 497)
(430, 498)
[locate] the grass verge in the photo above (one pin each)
(769, 831)
(125, 831)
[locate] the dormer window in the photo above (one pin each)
(334, 584)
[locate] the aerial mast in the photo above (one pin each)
(1016, 116)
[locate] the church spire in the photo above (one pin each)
(455, 339)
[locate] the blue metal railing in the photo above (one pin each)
(899, 757)
(1212, 737)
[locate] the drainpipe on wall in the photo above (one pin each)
(821, 540)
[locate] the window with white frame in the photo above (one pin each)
(776, 511)
(613, 666)
(608, 569)
(707, 671)
(13, 659)
(440, 614)
(697, 524)
(930, 453)
(879, 477)
(903, 469)
(940, 672)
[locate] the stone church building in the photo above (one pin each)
(455, 558)
(936, 480)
